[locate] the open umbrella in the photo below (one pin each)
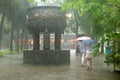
(88, 41)
(83, 38)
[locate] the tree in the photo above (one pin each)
(99, 17)
(18, 23)
(82, 22)
(15, 14)
(99, 13)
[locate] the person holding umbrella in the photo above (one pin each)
(86, 47)
(82, 48)
(88, 51)
(82, 52)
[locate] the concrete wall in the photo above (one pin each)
(47, 57)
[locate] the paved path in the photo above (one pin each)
(12, 68)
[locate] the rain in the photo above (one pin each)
(42, 40)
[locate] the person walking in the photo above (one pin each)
(82, 52)
(77, 49)
(88, 56)
(86, 48)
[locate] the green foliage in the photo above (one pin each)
(1, 54)
(98, 44)
(96, 49)
(4, 52)
(30, 0)
(43, 0)
(102, 15)
(113, 57)
(7, 51)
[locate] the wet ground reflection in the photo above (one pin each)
(12, 68)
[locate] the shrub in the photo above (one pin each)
(7, 51)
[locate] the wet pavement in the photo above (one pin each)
(12, 68)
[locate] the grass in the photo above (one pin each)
(6, 51)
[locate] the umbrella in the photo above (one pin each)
(83, 38)
(88, 41)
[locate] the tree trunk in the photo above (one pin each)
(26, 43)
(76, 21)
(26, 39)
(22, 39)
(17, 40)
(1, 28)
(102, 48)
(11, 39)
